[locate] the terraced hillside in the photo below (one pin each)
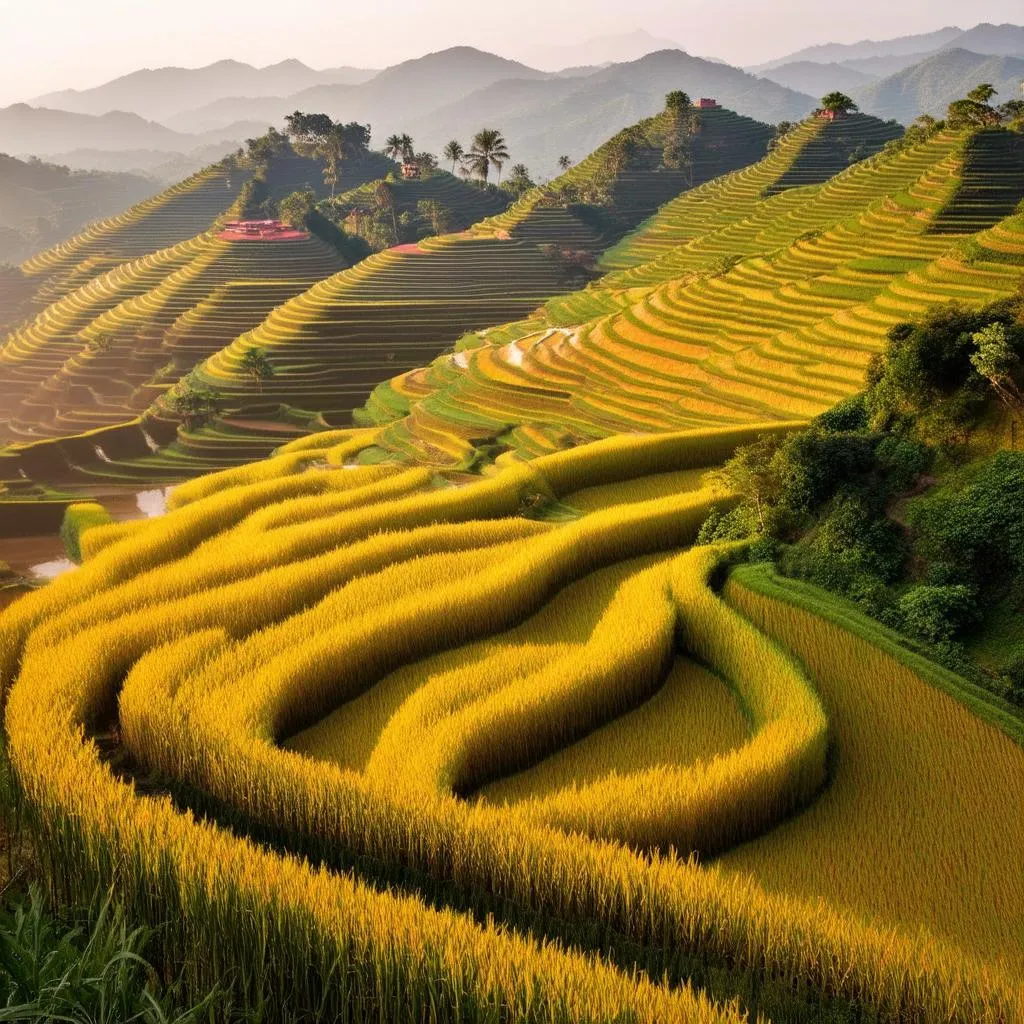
(838, 144)
(166, 220)
(86, 364)
(98, 355)
(474, 727)
(733, 308)
(396, 310)
(463, 203)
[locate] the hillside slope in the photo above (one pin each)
(128, 307)
(762, 308)
(40, 203)
(396, 310)
(931, 85)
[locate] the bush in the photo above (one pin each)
(1012, 675)
(979, 529)
(79, 518)
(849, 414)
(937, 614)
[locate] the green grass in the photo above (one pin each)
(987, 706)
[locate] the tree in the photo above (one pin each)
(982, 93)
(426, 162)
(973, 111)
(1011, 110)
(436, 214)
(683, 124)
(195, 404)
(407, 149)
(261, 149)
(838, 103)
(393, 146)
(384, 206)
(295, 209)
(998, 362)
(564, 163)
(677, 101)
(488, 150)
(519, 180)
(257, 366)
(454, 152)
(752, 473)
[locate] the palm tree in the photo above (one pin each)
(564, 163)
(488, 150)
(454, 152)
(407, 150)
(393, 146)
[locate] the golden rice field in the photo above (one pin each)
(446, 717)
(404, 747)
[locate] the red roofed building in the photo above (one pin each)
(706, 103)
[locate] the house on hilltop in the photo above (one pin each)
(410, 170)
(706, 103)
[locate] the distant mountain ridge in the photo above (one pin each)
(930, 86)
(41, 203)
(887, 56)
(159, 93)
(40, 131)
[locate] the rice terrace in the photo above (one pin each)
(513, 540)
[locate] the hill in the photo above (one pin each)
(889, 57)
(930, 86)
(543, 119)
(827, 53)
(159, 93)
(121, 138)
(450, 94)
(399, 308)
(392, 100)
(40, 203)
(725, 307)
(815, 79)
(40, 131)
(129, 306)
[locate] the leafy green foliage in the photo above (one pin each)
(295, 208)
(195, 404)
(838, 103)
(79, 518)
(847, 503)
(929, 379)
(95, 971)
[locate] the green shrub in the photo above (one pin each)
(78, 519)
(937, 614)
(979, 529)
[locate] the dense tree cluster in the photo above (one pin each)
(906, 498)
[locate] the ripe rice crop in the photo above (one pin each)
(432, 617)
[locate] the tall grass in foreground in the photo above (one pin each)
(236, 629)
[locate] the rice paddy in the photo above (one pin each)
(446, 716)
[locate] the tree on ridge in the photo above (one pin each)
(838, 103)
(488, 150)
(454, 152)
(256, 365)
(564, 162)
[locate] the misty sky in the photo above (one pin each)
(52, 44)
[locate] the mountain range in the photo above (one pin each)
(444, 95)
(169, 121)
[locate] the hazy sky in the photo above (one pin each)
(52, 44)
